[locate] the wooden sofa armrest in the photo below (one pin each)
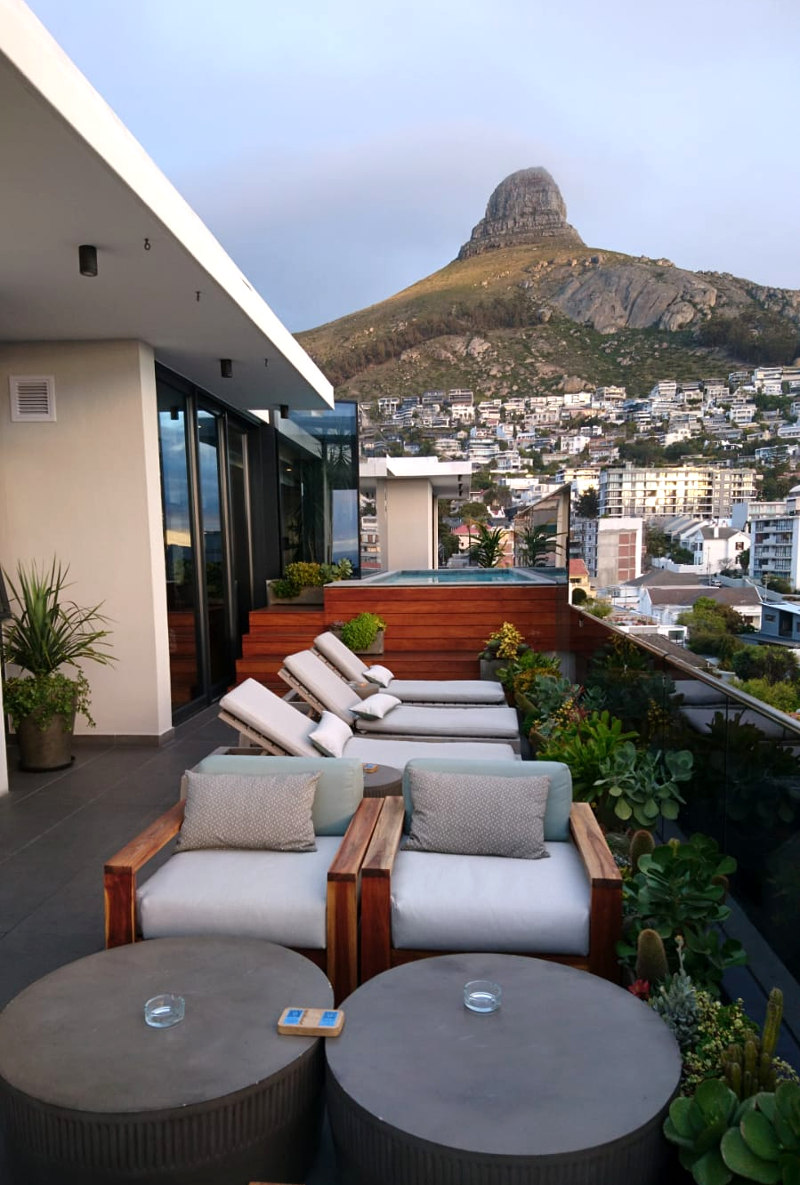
(605, 922)
(376, 874)
(119, 874)
(342, 899)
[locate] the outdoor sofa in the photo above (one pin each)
(304, 899)
(449, 897)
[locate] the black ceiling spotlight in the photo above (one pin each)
(284, 410)
(226, 368)
(87, 257)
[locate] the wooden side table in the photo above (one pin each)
(380, 780)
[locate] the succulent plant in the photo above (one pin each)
(697, 1125)
(765, 1146)
(676, 1003)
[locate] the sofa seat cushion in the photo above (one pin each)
(448, 691)
(277, 896)
(489, 903)
(445, 722)
(398, 753)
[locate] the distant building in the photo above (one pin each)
(610, 547)
(705, 490)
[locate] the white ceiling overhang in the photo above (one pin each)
(72, 173)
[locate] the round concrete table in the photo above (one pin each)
(93, 1096)
(567, 1084)
(382, 780)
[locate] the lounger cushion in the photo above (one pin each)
(450, 692)
(477, 814)
(698, 694)
(378, 674)
(376, 706)
(331, 735)
(258, 708)
(325, 685)
(486, 903)
(397, 753)
(446, 722)
(340, 656)
(276, 896)
(255, 811)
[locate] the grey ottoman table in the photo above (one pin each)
(91, 1095)
(567, 1084)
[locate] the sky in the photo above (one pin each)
(340, 152)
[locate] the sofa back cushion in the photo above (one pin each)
(249, 811)
(477, 814)
(559, 799)
(339, 790)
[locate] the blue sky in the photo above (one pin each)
(343, 151)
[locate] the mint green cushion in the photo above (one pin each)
(559, 800)
(339, 790)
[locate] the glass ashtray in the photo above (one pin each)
(481, 995)
(162, 1011)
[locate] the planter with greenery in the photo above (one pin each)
(502, 646)
(363, 633)
(302, 583)
(44, 634)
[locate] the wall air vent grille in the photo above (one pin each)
(33, 398)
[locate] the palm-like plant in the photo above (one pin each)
(44, 633)
(487, 550)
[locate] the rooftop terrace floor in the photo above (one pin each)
(57, 829)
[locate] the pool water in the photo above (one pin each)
(462, 576)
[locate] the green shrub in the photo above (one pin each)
(784, 696)
(584, 745)
(361, 631)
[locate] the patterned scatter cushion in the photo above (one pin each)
(477, 814)
(378, 674)
(244, 811)
(331, 735)
(375, 707)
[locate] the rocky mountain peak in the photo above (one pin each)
(526, 207)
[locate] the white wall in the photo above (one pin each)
(409, 535)
(87, 490)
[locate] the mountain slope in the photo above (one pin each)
(527, 305)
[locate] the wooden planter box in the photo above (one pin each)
(306, 596)
(375, 648)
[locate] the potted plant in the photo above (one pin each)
(302, 583)
(44, 634)
(363, 633)
(500, 648)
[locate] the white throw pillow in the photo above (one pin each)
(375, 707)
(331, 735)
(378, 674)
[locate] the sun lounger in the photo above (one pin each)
(450, 692)
(266, 720)
(326, 691)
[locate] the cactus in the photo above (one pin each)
(748, 1067)
(651, 958)
(641, 841)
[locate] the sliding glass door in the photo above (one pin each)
(206, 540)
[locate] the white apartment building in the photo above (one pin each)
(461, 395)
(705, 490)
(664, 389)
(605, 396)
(775, 539)
(388, 405)
(462, 413)
(742, 413)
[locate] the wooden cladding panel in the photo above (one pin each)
(432, 632)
